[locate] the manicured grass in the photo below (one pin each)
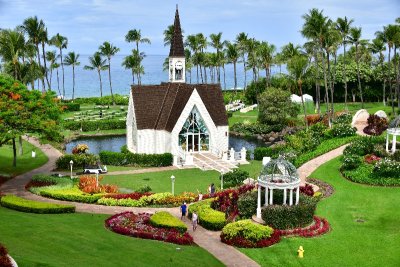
(186, 180)
(373, 242)
(250, 116)
(24, 163)
(82, 240)
(254, 168)
(371, 107)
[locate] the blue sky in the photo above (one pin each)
(89, 23)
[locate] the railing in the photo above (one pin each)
(181, 154)
(216, 151)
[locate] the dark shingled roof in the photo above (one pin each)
(159, 106)
(177, 49)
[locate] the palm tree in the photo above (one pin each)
(168, 35)
(241, 41)
(297, 67)
(218, 45)
(232, 56)
(51, 57)
(188, 63)
(202, 43)
(133, 62)
(12, 45)
(252, 60)
(72, 59)
(377, 47)
(61, 43)
(192, 43)
(289, 51)
(343, 25)
(34, 29)
(266, 54)
(355, 39)
(108, 50)
(130, 62)
(136, 37)
(97, 63)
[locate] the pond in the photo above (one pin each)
(114, 143)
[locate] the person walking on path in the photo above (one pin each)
(212, 190)
(195, 220)
(183, 210)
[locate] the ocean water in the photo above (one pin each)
(87, 81)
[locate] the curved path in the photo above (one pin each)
(206, 239)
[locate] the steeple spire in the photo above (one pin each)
(177, 49)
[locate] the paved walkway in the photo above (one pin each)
(208, 240)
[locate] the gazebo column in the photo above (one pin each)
(387, 142)
(297, 195)
(394, 144)
(259, 202)
(271, 196)
(291, 197)
(266, 197)
(284, 196)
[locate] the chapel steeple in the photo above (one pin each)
(177, 53)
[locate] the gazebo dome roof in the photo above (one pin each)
(279, 171)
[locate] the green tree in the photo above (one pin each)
(135, 36)
(12, 47)
(97, 63)
(266, 55)
(108, 50)
(377, 47)
(241, 41)
(23, 111)
(217, 43)
(275, 106)
(355, 39)
(72, 59)
(51, 57)
(232, 56)
(61, 43)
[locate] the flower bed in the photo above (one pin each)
(134, 195)
(163, 219)
(320, 226)
(138, 225)
(159, 199)
(246, 234)
(4, 259)
(209, 218)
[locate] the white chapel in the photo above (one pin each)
(174, 116)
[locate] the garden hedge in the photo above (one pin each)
(71, 194)
(87, 126)
(105, 100)
(165, 219)
(208, 218)
(247, 229)
(25, 205)
(69, 106)
(142, 160)
(288, 217)
(79, 160)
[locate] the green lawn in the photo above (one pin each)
(371, 107)
(82, 240)
(24, 163)
(374, 242)
(250, 116)
(186, 180)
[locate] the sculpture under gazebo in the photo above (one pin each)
(278, 174)
(394, 130)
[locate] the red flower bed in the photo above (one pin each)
(88, 184)
(319, 227)
(371, 159)
(134, 195)
(242, 242)
(4, 259)
(307, 190)
(137, 225)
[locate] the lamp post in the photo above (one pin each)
(97, 179)
(222, 179)
(71, 163)
(173, 183)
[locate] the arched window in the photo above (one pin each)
(194, 135)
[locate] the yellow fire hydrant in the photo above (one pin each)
(300, 252)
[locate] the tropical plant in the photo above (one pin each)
(355, 39)
(136, 37)
(108, 50)
(72, 59)
(97, 63)
(242, 41)
(232, 56)
(12, 46)
(61, 43)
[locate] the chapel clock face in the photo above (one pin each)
(178, 65)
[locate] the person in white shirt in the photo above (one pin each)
(194, 220)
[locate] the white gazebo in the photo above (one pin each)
(278, 174)
(394, 130)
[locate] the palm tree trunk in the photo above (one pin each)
(201, 74)
(58, 84)
(20, 150)
(390, 81)
(73, 82)
(326, 85)
(330, 82)
(14, 153)
(397, 80)
(317, 88)
(62, 68)
(245, 74)
(197, 67)
(51, 76)
(299, 82)
(133, 76)
(40, 67)
(359, 79)
(101, 86)
(45, 67)
(223, 68)
(234, 74)
(344, 76)
(109, 78)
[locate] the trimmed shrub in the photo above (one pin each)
(88, 126)
(248, 230)
(105, 100)
(235, 177)
(143, 160)
(272, 152)
(247, 204)
(144, 189)
(250, 129)
(69, 106)
(365, 174)
(343, 129)
(387, 168)
(70, 194)
(344, 118)
(286, 217)
(360, 147)
(25, 205)
(208, 218)
(165, 219)
(79, 160)
(351, 162)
